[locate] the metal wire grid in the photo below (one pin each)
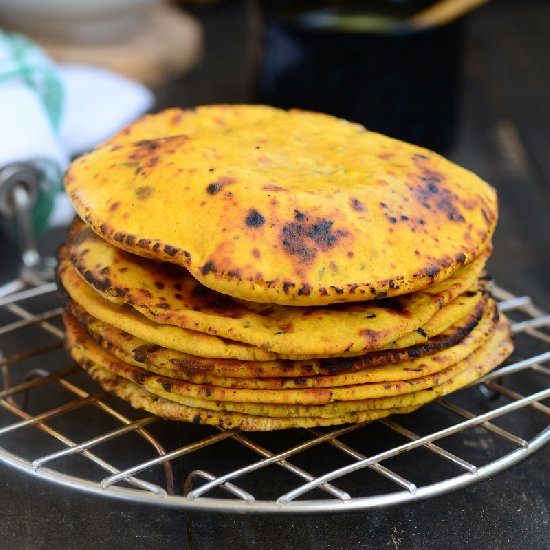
(199, 483)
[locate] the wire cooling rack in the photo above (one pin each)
(56, 424)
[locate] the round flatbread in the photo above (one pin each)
(169, 295)
(170, 410)
(284, 207)
(445, 318)
(129, 320)
(84, 348)
(206, 345)
(200, 370)
(476, 365)
(413, 368)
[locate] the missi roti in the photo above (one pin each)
(170, 410)
(169, 336)
(85, 348)
(412, 368)
(293, 208)
(201, 370)
(168, 295)
(129, 320)
(475, 365)
(444, 318)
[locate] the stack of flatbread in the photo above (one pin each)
(259, 269)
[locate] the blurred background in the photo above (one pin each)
(467, 78)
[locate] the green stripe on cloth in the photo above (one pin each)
(21, 59)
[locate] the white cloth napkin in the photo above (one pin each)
(26, 132)
(49, 113)
(98, 103)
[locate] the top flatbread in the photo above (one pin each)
(283, 207)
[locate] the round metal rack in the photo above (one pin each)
(56, 424)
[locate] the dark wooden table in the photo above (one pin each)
(504, 136)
